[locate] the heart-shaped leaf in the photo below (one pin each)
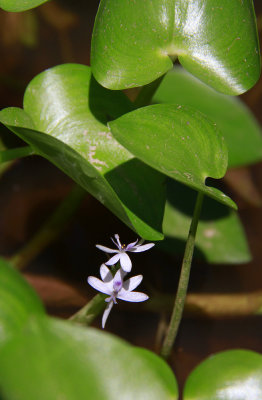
(230, 375)
(241, 131)
(64, 117)
(178, 141)
(20, 5)
(18, 302)
(220, 235)
(215, 42)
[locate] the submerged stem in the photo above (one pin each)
(183, 282)
(50, 230)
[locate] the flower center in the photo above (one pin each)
(117, 286)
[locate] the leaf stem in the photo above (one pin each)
(147, 92)
(19, 152)
(50, 230)
(183, 282)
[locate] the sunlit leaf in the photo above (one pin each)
(135, 42)
(179, 142)
(69, 362)
(235, 121)
(64, 120)
(20, 5)
(230, 375)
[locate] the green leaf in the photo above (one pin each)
(39, 354)
(235, 121)
(220, 236)
(218, 43)
(230, 375)
(18, 302)
(179, 142)
(20, 5)
(64, 120)
(69, 362)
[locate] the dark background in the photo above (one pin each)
(60, 32)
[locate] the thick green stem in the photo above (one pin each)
(12, 154)
(50, 229)
(87, 314)
(147, 92)
(183, 282)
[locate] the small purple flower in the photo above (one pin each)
(125, 262)
(116, 288)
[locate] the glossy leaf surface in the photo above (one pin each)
(220, 236)
(215, 42)
(235, 121)
(178, 141)
(230, 375)
(20, 5)
(43, 358)
(18, 302)
(69, 362)
(64, 120)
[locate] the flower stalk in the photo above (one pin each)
(183, 282)
(87, 314)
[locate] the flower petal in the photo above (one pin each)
(132, 296)
(113, 260)
(99, 285)
(132, 283)
(118, 275)
(138, 249)
(131, 245)
(106, 313)
(105, 273)
(105, 249)
(125, 262)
